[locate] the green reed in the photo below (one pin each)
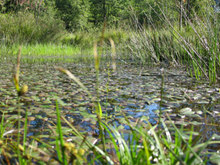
(59, 131)
(194, 46)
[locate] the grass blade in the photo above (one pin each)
(59, 128)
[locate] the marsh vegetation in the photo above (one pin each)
(86, 88)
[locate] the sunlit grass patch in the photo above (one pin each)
(48, 53)
(42, 50)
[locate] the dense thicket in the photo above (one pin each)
(84, 14)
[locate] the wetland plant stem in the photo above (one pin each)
(101, 133)
(59, 128)
(161, 97)
(18, 135)
(98, 106)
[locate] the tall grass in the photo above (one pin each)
(42, 50)
(196, 44)
(23, 28)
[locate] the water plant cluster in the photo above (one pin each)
(108, 117)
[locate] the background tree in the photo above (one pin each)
(84, 14)
(75, 13)
(114, 11)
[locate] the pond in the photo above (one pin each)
(133, 91)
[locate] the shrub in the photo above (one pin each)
(25, 27)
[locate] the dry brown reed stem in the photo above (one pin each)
(113, 53)
(16, 72)
(96, 55)
(18, 64)
(95, 46)
(75, 79)
(103, 32)
(5, 156)
(24, 89)
(95, 49)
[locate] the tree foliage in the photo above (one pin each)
(75, 13)
(83, 14)
(113, 11)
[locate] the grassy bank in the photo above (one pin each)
(168, 46)
(41, 50)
